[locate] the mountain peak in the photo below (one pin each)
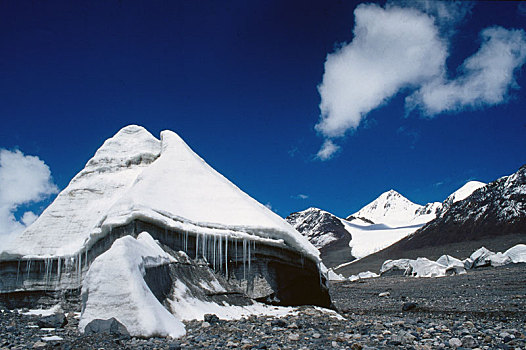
(390, 208)
(465, 191)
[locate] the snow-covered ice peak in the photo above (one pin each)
(135, 175)
(459, 195)
(132, 144)
(390, 208)
(465, 191)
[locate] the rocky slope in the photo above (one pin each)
(494, 215)
(382, 222)
(326, 232)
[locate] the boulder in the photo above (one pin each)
(53, 321)
(110, 326)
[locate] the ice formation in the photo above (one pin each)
(115, 287)
(134, 175)
(448, 265)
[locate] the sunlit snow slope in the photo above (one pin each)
(134, 175)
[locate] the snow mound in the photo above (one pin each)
(114, 287)
(448, 265)
(333, 276)
(363, 275)
(517, 254)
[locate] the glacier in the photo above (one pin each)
(137, 183)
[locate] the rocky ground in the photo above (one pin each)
(484, 309)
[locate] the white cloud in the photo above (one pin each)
(392, 48)
(300, 196)
(23, 179)
(403, 47)
(446, 14)
(486, 77)
(327, 151)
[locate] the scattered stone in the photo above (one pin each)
(455, 343)
(469, 342)
(279, 323)
(53, 321)
(39, 344)
(174, 346)
(384, 294)
(111, 326)
(409, 306)
(294, 337)
(211, 318)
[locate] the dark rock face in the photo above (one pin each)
(211, 318)
(498, 208)
(53, 321)
(326, 232)
(493, 216)
(273, 274)
(111, 326)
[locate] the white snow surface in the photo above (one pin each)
(446, 264)
(394, 210)
(333, 276)
(44, 312)
(114, 287)
(363, 275)
(465, 191)
(66, 225)
(134, 175)
(185, 307)
(517, 254)
(52, 338)
(423, 267)
(370, 238)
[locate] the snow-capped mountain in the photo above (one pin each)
(494, 214)
(381, 223)
(393, 209)
(495, 209)
(459, 195)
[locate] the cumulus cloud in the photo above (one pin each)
(446, 14)
(23, 180)
(486, 77)
(403, 48)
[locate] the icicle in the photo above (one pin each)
(204, 246)
(249, 257)
(17, 271)
(28, 266)
(244, 258)
(220, 253)
(196, 246)
(59, 269)
(46, 270)
(79, 270)
(226, 257)
(214, 252)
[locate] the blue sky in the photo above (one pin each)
(239, 82)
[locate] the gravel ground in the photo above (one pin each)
(485, 309)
